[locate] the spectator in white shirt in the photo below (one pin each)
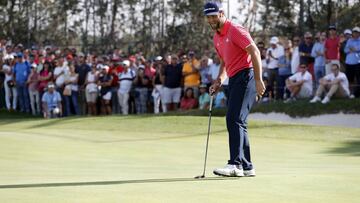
(295, 56)
(272, 58)
(125, 81)
(300, 84)
(334, 84)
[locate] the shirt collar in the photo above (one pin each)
(225, 28)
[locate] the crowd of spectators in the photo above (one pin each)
(56, 82)
(322, 66)
(53, 82)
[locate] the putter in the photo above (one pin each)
(207, 140)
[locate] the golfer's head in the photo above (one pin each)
(214, 14)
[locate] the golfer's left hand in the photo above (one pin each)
(260, 87)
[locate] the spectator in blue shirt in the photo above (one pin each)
(318, 52)
(352, 50)
(284, 71)
(22, 70)
(51, 102)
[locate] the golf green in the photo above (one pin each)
(154, 159)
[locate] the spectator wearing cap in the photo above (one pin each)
(272, 56)
(188, 101)
(51, 102)
(9, 83)
(352, 50)
(318, 52)
(300, 84)
(334, 84)
(72, 91)
(82, 69)
(33, 85)
(347, 36)
(91, 90)
(172, 83)
(332, 49)
(191, 73)
(105, 79)
(22, 71)
(305, 49)
(126, 78)
(204, 98)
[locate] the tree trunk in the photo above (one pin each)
(112, 26)
(301, 18)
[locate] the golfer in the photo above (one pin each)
(241, 62)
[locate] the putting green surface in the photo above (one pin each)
(154, 159)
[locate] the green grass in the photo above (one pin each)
(154, 159)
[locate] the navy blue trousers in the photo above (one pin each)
(242, 95)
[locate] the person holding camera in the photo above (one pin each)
(51, 102)
(9, 84)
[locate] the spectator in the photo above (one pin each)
(82, 69)
(268, 95)
(295, 55)
(263, 50)
(220, 99)
(22, 71)
(104, 82)
(284, 70)
(334, 84)
(347, 35)
(158, 92)
(332, 49)
(72, 89)
(114, 87)
(172, 81)
(204, 71)
(305, 49)
(204, 98)
(45, 77)
(300, 84)
(33, 84)
(125, 81)
(188, 101)
(272, 56)
(91, 90)
(191, 73)
(318, 52)
(141, 83)
(51, 102)
(9, 84)
(352, 49)
(60, 73)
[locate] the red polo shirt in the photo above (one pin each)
(230, 44)
(332, 47)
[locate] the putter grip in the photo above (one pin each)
(211, 102)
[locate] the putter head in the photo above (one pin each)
(199, 177)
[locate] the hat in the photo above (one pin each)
(356, 29)
(203, 86)
(274, 40)
(347, 31)
(141, 66)
(51, 85)
(99, 66)
(81, 54)
(69, 57)
(33, 65)
(20, 55)
(332, 27)
(158, 58)
(9, 57)
(105, 67)
(126, 62)
(212, 8)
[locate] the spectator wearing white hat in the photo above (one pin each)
(51, 102)
(272, 56)
(104, 82)
(332, 49)
(125, 83)
(352, 50)
(347, 36)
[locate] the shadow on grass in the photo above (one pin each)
(351, 148)
(120, 182)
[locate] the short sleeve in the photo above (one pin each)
(58, 97)
(241, 37)
(43, 99)
(293, 77)
(328, 77)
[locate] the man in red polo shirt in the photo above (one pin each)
(332, 49)
(241, 62)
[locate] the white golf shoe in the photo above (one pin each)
(249, 173)
(325, 100)
(315, 99)
(230, 171)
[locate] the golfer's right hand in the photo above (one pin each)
(214, 88)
